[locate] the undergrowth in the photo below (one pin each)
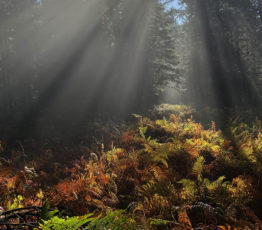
(167, 173)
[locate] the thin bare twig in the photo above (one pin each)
(22, 215)
(37, 208)
(32, 224)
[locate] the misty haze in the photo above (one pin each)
(130, 114)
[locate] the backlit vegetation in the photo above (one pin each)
(168, 173)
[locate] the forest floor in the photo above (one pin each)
(163, 172)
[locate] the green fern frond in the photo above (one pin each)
(189, 189)
(216, 184)
(198, 168)
(142, 131)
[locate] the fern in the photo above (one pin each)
(189, 189)
(159, 222)
(68, 223)
(46, 212)
(112, 154)
(212, 186)
(198, 168)
(142, 131)
(113, 220)
(16, 203)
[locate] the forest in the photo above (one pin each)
(131, 114)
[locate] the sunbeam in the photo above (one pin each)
(130, 114)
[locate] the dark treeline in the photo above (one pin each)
(66, 61)
(63, 62)
(224, 52)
